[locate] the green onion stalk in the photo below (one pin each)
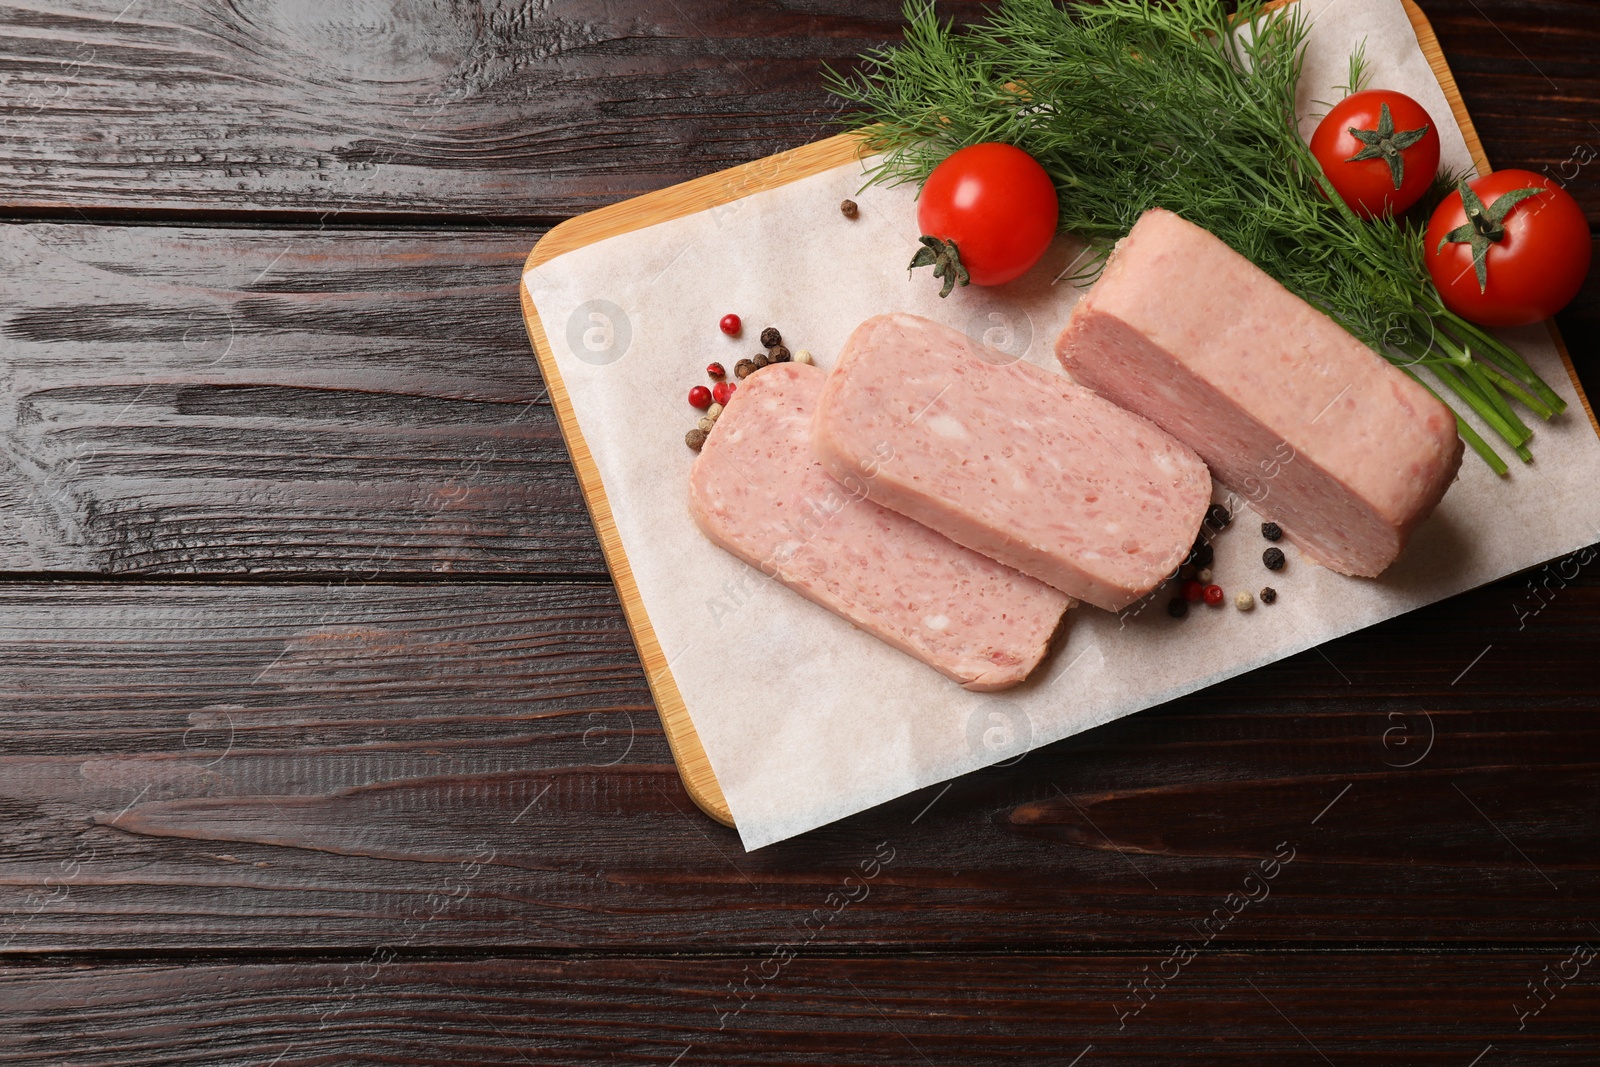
(1188, 106)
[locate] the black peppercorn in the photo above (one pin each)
(759, 360)
(771, 337)
(1218, 517)
(1273, 558)
(1202, 556)
(695, 438)
(848, 209)
(743, 369)
(1271, 531)
(1269, 595)
(1178, 607)
(779, 354)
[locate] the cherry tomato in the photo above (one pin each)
(1536, 250)
(1380, 150)
(996, 204)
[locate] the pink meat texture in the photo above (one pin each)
(757, 491)
(1011, 460)
(1325, 437)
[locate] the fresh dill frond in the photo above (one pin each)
(1189, 106)
(1358, 70)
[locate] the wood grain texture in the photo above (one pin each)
(227, 402)
(516, 109)
(1529, 73)
(1224, 1010)
(501, 109)
(246, 767)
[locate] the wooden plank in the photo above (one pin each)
(1529, 75)
(512, 110)
(501, 110)
(224, 402)
(1405, 1008)
(702, 194)
(254, 768)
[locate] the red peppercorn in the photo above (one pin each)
(1213, 595)
(716, 370)
(1193, 590)
(730, 325)
(700, 397)
(721, 391)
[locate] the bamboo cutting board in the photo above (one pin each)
(708, 192)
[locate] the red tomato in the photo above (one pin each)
(1535, 258)
(1383, 167)
(998, 206)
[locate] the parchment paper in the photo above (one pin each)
(806, 719)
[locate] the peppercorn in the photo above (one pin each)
(1271, 531)
(700, 397)
(1218, 517)
(1213, 595)
(695, 438)
(770, 337)
(713, 411)
(1244, 602)
(1202, 555)
(1187, 571)
(1269, 595)
(705, 423)
(722, 392)
(716, 370)
(760, 360)
(1193, 590)
(1273, 558)
(1177, 607)
(743, 369)
(779, 354)
(804, 356)
(1203, 575)
(848, 209)
(730, 325)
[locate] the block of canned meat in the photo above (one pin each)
(1325, 437)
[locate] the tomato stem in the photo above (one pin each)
(1386, 143)
(945, 259)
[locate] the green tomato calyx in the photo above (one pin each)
(1386, 144)
(1484, 226)
(945, 259)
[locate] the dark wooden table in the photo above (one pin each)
(322, 740)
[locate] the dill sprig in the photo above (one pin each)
(1131, 104)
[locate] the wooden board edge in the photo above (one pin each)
(677, 201)
(1428, 41)
(699, 194)
(723, 187)
(1434, 54)
(694, 766)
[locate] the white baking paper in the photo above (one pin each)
(807, 720)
